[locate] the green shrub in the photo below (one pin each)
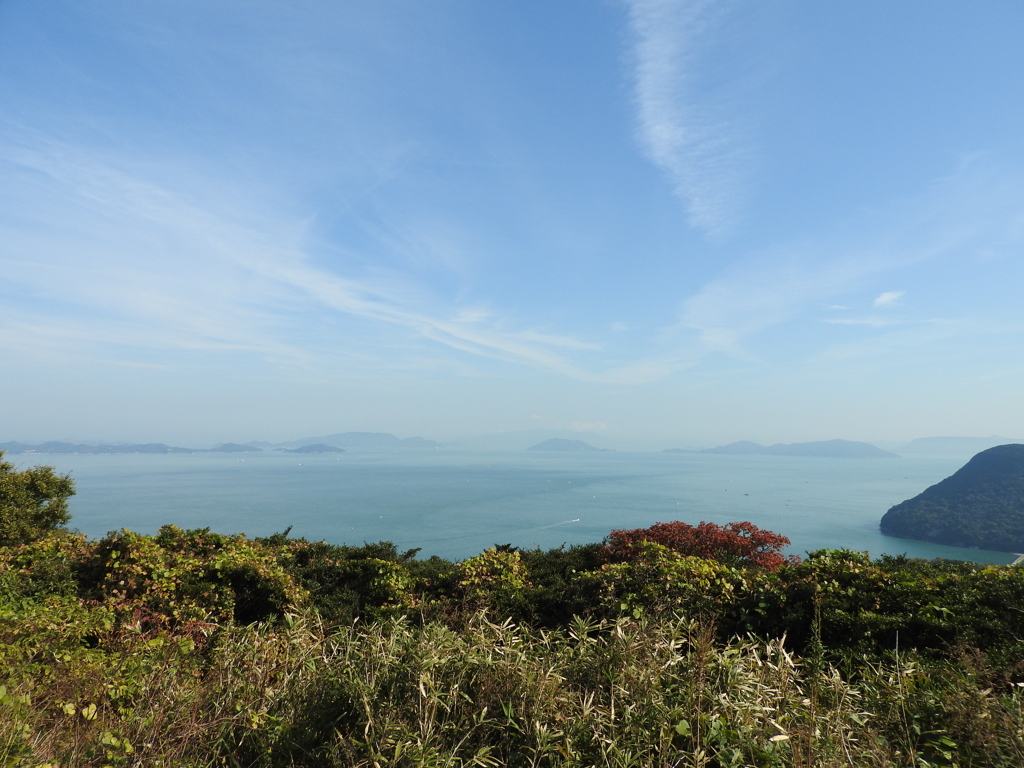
(345, 583)
(554, 593)
(658, 579)
(46, 567)
(33, 502)
(493, 578)
(189, 576)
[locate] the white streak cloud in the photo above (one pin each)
(691, 140)
(887, 298)
(156, 265)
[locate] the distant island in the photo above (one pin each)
(363, 440)
(843, 449)
(980, 505)
(522, 439)
(335, 443)
(560, 444)
(315, 448)
(55, 446)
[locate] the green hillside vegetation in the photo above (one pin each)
(981, 505)
(675, 645)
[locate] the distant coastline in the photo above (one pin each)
(336, 443)
(558, 440)
(845, 449)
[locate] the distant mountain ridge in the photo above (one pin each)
(844, 449)
(979, 505)
(953, 445)
(525, 439)
(522, 439)
(363, 440)
(315, 448)
(56, 446)
(561, 444)
(335, 441)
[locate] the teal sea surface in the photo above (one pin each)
(456, 503)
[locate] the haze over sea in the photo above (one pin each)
(457, 502)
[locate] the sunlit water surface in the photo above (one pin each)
(455, 503)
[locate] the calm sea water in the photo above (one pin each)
(456, 503)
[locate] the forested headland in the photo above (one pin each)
(980, 505)
(678, 644)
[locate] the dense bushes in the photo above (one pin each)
(195, 648)
(344, 583)
(851, 604)
(168, 581)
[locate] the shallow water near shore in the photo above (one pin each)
(455, 503)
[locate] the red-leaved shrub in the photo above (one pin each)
(733, 544)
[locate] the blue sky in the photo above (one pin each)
(663, 221)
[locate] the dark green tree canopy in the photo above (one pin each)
(33, 502)
(980, 505)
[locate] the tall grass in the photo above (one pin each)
(631, 692)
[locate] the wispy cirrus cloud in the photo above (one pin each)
(732, 308)
(143, 263)
(691, 139)
(932, 338)
(945, 225)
